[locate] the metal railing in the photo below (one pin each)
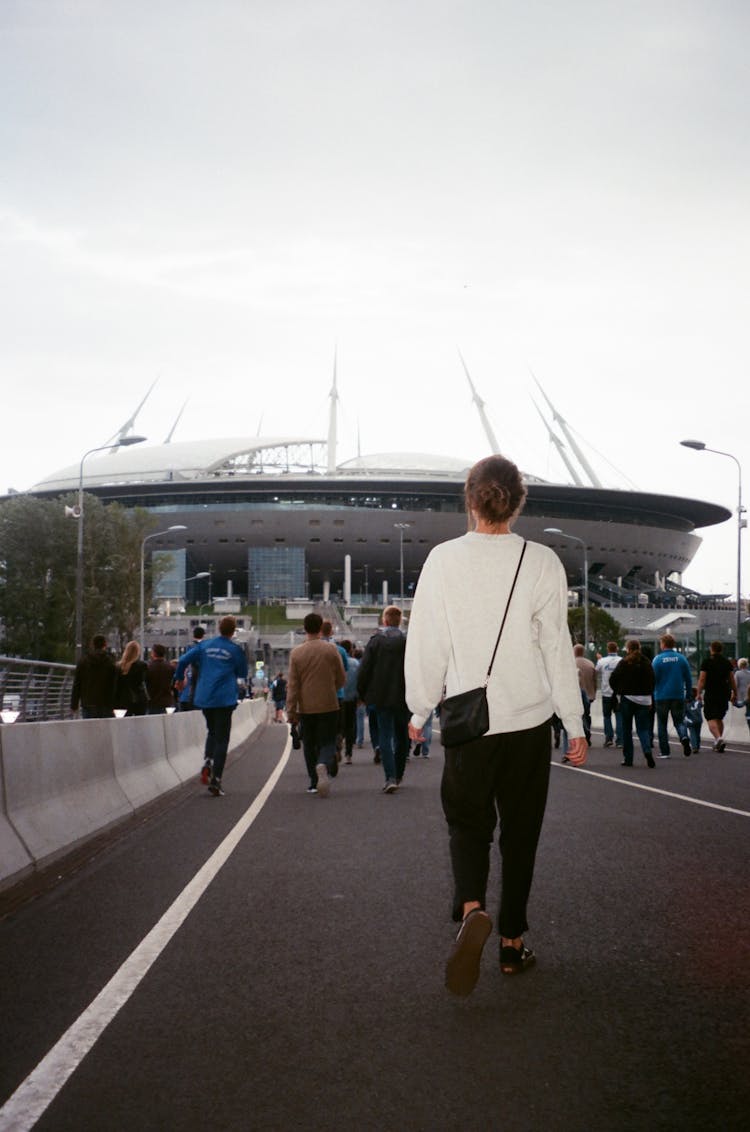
(37, 689)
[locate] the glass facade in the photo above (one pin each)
(171, 583)
(276, 572)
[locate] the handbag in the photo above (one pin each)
(465, 717)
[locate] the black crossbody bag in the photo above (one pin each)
(466, 717)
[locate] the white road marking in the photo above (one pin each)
(22, 1110)
(651, 790)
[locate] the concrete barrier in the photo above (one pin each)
(15, 860)
(185, 740)
(60, 785)
(63, 782)
(139, 750)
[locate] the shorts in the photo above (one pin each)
(714, 707)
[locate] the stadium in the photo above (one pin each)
(278, 519)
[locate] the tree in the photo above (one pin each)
(38, 560)
(602, 627)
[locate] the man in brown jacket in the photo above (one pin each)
(315, 675)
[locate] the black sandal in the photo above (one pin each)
(514, 960)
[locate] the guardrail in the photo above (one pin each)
(37, 690)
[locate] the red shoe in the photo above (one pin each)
(206, 773)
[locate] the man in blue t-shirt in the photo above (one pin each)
(222, 663)
(673, 685)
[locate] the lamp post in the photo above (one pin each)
(401, 527)
(575, 538)
(699, 446)
(123, 442)
(155, 534)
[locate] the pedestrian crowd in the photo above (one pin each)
(484, 596)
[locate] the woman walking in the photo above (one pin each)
(633, 682)
(458, 608)
(131, 674)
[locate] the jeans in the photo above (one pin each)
(609, 734)
(641, 714)
(663, 710)
(372, 723)
(427, 732)
(218, 729)
(361, 711)
(503, 776)
(393, 733)
(319, 740)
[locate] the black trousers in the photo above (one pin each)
(502, 776)
(218, 730)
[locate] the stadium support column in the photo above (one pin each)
(385, 593)
(347, 579)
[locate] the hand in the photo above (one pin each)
(577, 751)
(415, 734)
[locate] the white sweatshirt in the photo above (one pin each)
(454, 622)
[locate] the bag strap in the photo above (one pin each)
(507, 607)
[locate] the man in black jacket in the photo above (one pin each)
(380, 682)
(94, 682)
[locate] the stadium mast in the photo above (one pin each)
(171, 432)
(334, 396)
(595, 481)
(126, 428)
(560, 448)
(491, 438)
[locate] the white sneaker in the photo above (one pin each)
(324, 782)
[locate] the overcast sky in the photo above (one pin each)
(220, 194)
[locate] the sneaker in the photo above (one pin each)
(348, 761)
(425, 755)
(214, 787)
(206, 772)
(324, 782)
(514, 960)
(462, 968)
(608, 743)
(650, 759)
(312, 790)
(686, 748)
(391, 786)
(720, 746)
(663, 756)
(333, 769)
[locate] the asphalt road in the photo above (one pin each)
(304, 990)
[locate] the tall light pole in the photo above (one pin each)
(401, 527)
(575, 538)
(194, 578)
(123, 442)
(699, 446)
(155, 534)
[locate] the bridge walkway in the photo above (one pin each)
(303, 988)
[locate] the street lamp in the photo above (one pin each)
(123, 442)
(575, 538)
(155, 534)
(699, 446)
(401, 527)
